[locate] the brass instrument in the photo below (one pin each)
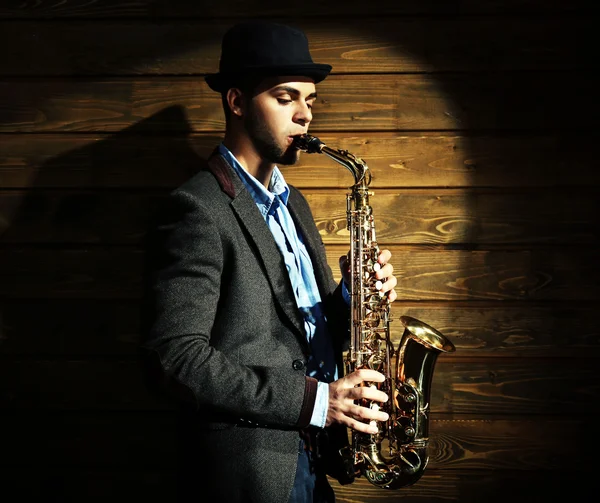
(404, 436)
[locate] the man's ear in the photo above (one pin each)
(235, 101)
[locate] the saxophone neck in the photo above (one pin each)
(359, 169)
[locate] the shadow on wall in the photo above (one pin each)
(70, 317)
(97, 227)
(153, 155)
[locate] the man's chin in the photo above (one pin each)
(290, 157)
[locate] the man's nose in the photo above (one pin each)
(304, 114)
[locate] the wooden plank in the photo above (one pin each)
(436, 486)
(94, 486)
(355, 45)
(559, 330)
(560, 274)
(84, 441)
(507, 444)
(443, 216)
(80, 328)
(530, 386)
(91, 385)
(68, 160)
(99, 440)
(485, 387)
(442, 486)
(73, 217)
(458, 217)
(70, 328)
(115, 274)
(526, 101)
(152, 9)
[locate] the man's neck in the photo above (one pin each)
(249, 159)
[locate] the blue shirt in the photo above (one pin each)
(272, 204)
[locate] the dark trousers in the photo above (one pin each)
(310, 484)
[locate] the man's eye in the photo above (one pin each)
(283, 101)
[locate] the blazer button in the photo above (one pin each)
(298, 364)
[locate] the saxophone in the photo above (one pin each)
(397, 455)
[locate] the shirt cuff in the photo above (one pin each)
(319, 415)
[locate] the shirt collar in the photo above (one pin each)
(278, 186)
(265, 199)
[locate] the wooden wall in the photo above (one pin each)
(478, 120)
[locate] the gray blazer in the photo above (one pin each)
(224, 339)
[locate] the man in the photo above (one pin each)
(245, 324)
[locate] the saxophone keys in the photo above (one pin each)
(410, 398)
(409, 431)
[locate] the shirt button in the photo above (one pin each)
(298, 364)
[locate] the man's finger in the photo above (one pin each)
(368, 393)
(362, 427)
(384, 256)
(362, 375)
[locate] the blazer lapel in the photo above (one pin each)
(273, 264)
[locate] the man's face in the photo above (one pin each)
(279, 111)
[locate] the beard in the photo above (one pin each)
(266, 144)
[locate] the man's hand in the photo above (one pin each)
(385, 273)
(343, 393)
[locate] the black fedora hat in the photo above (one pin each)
(257, 49)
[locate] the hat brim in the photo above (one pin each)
(221, 82)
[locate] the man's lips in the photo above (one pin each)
(292, 138)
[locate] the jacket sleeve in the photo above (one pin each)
(185, 264)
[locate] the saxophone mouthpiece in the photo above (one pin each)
(309, 144)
